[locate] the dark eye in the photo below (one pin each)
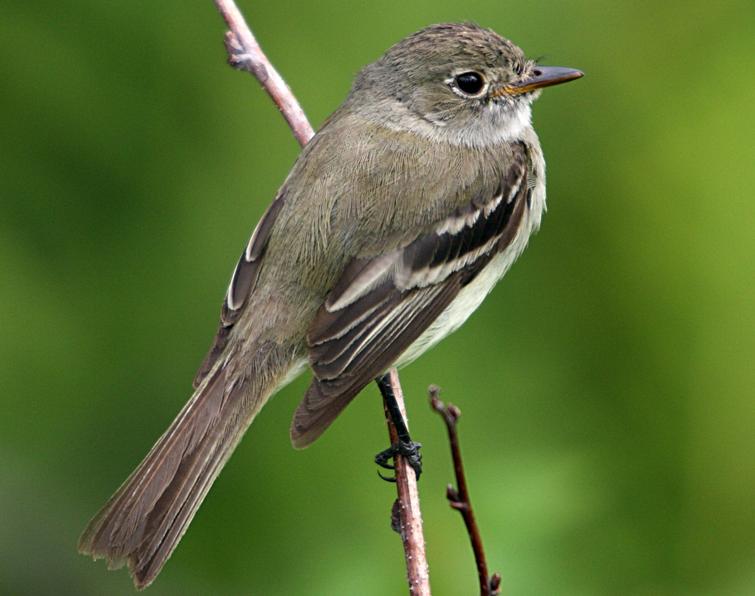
(470, 83)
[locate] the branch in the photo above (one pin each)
(244, 53)
(458, 497)
(407, 516)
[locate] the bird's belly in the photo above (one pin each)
(466, 302)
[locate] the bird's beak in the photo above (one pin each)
(542, 76)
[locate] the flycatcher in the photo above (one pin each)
(397, 219)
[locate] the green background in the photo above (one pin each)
(606, 385)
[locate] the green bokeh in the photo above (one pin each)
(606, 385)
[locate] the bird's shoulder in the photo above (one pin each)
(371, 187)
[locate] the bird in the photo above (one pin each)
(409, 204)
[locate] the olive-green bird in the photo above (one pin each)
(397, 219)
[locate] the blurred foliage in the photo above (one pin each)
(606, 385)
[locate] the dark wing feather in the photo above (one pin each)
(399, 322)
(242, 284)
(380, 306)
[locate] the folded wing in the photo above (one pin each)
(381, 305)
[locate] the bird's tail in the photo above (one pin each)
(143, 521)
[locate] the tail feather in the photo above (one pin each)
(144, 520)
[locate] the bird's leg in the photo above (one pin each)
(404, 446)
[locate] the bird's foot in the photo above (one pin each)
(407, 449)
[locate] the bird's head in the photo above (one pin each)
(462, 78)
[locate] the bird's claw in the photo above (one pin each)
(408, 450)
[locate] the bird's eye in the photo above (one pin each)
(469, 83)
(519, 69)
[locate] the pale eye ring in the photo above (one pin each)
(469, 84)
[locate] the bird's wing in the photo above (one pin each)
(242, 284)
(381, 305)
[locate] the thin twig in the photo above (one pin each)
(407, 517)
(458, 497)
(245, 53)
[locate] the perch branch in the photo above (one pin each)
(407, 517)
(458, 498)
(244, 53)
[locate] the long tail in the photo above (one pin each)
(143, 521)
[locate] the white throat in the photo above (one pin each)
(498, 124)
